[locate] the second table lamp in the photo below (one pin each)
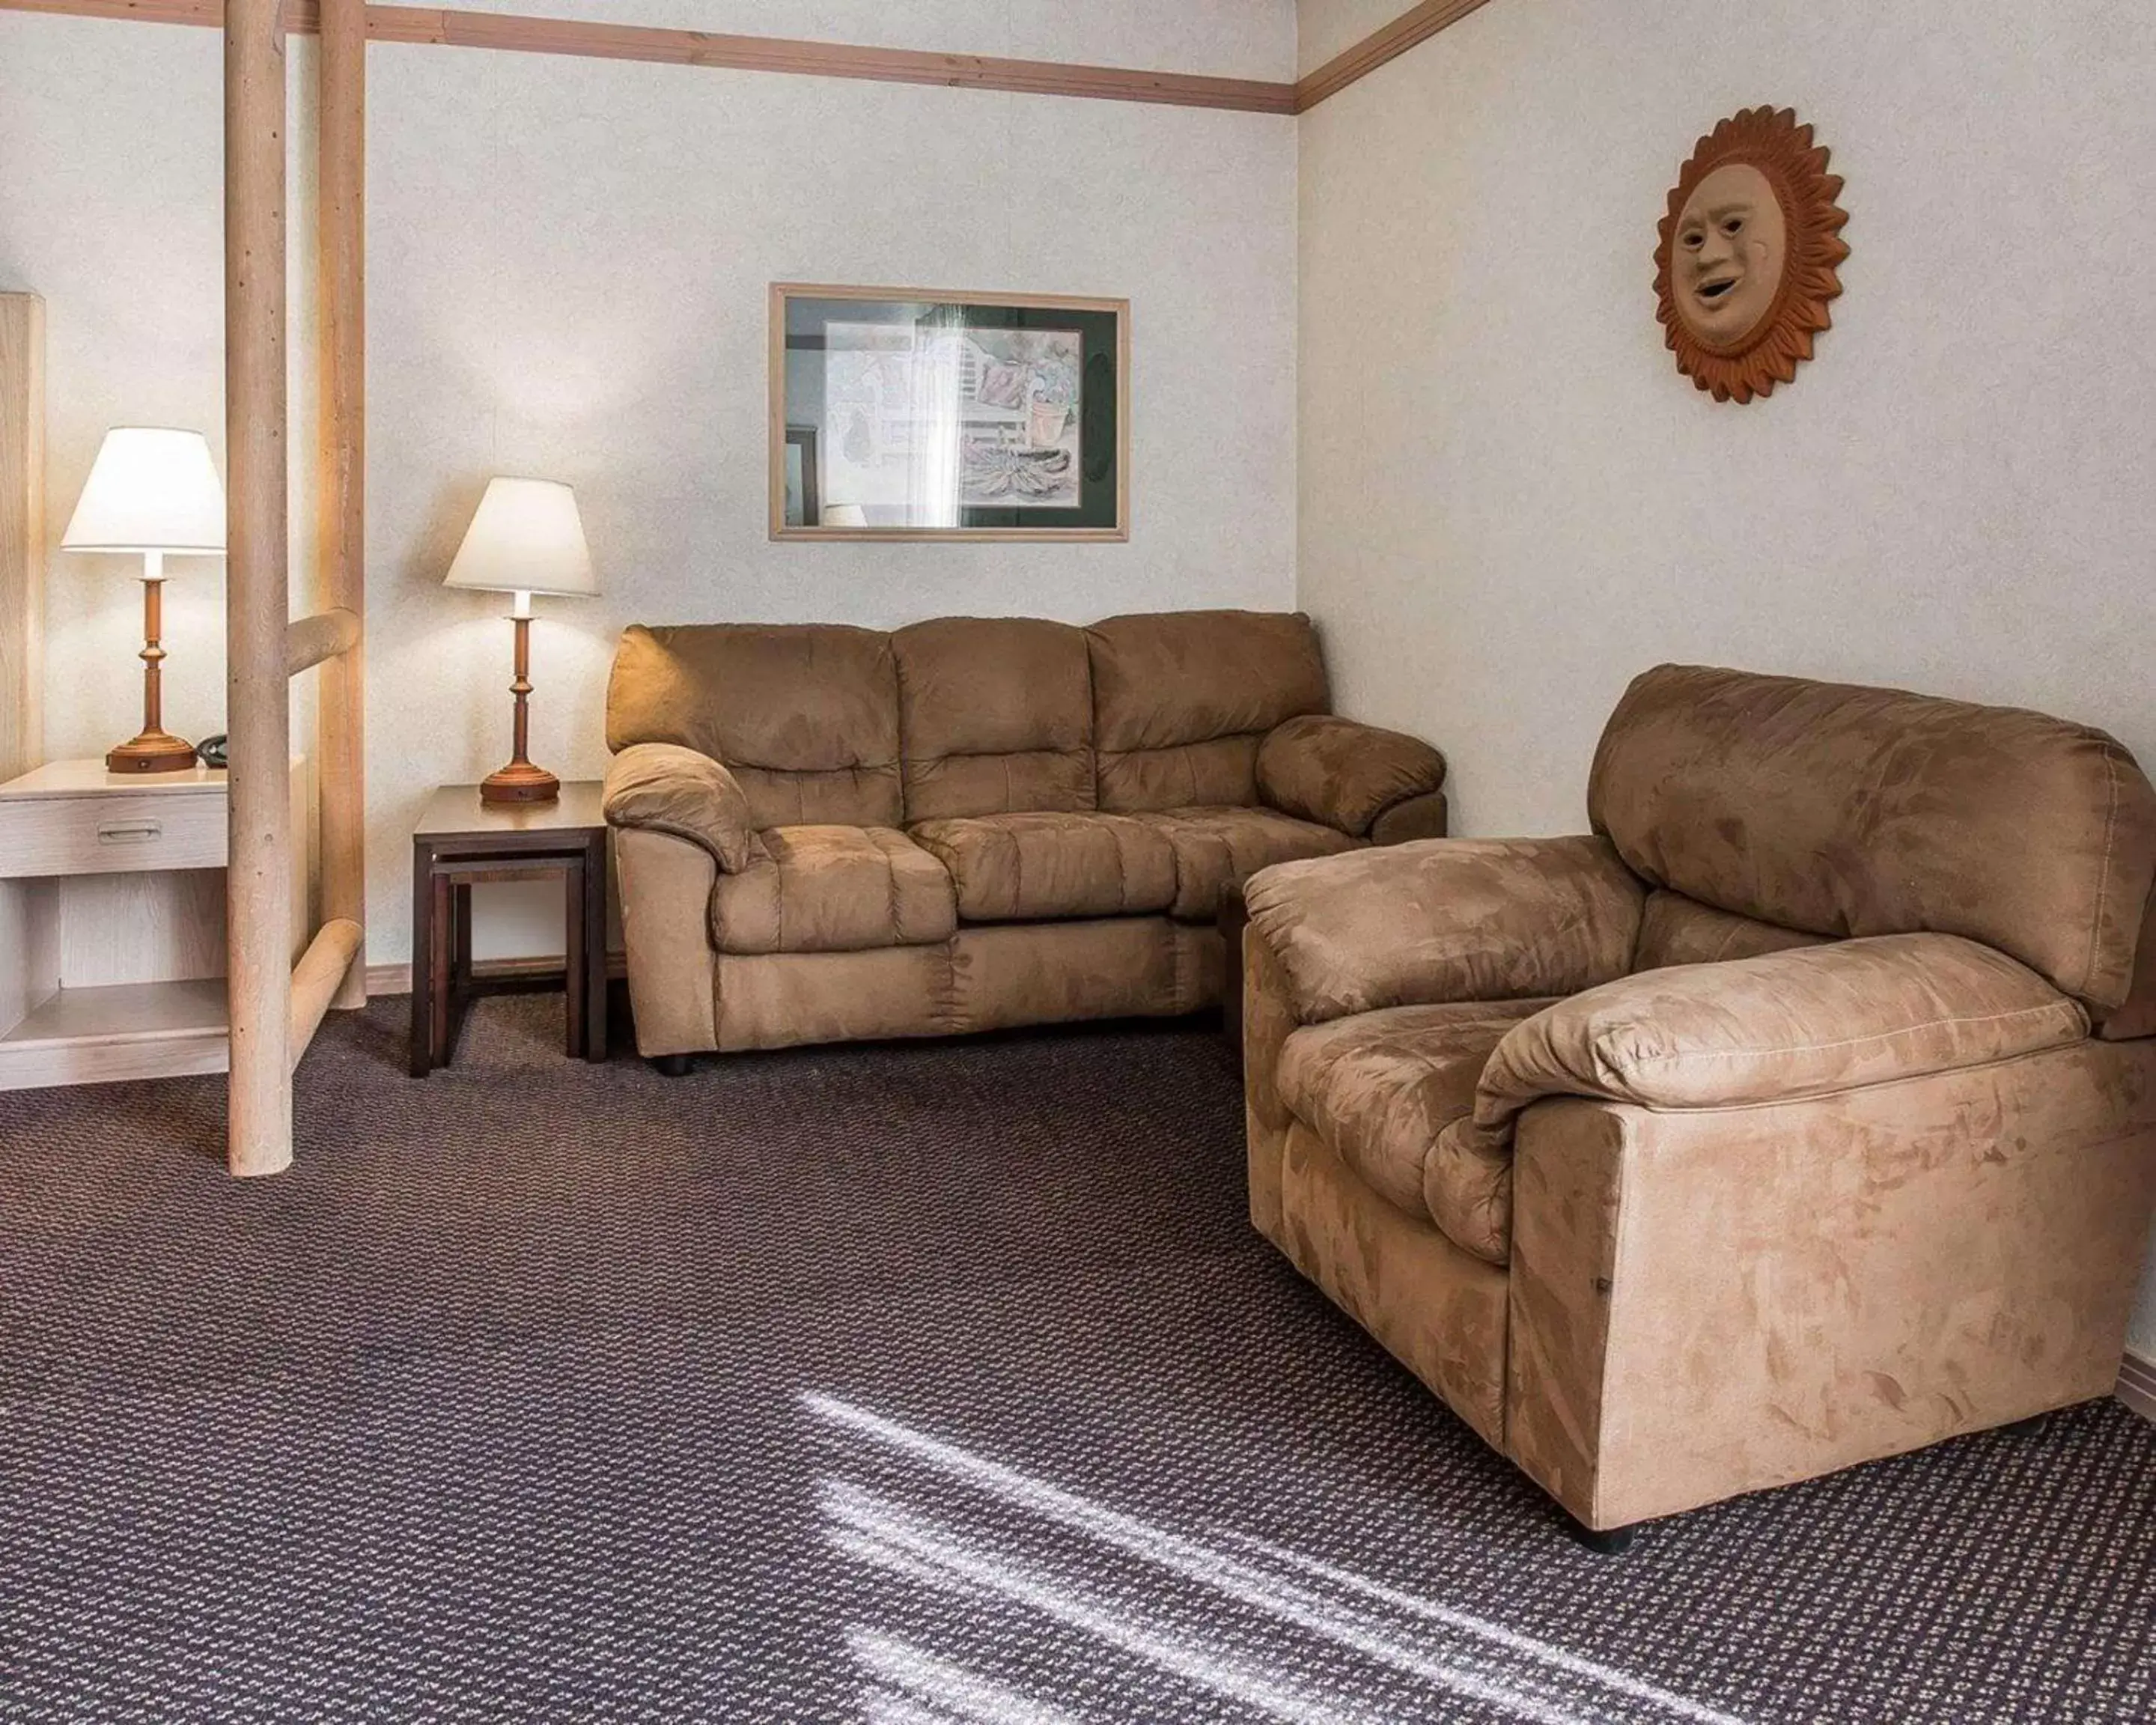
(526, 538)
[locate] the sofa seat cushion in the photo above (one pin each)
(1215, 848)
(833, 889)
(1032, 867)
(1380, 1086)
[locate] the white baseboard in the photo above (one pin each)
(2136, 1385)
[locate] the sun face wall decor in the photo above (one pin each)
(1749, 245)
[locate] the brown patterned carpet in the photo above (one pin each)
(903, 1385)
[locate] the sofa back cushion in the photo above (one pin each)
(806, 715)
(1839, 810)
(1182, 699)
(1677, 930)
(995, 717)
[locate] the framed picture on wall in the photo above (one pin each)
(915, 413)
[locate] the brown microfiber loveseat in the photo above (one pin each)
(824, 833)
(1802, 1113)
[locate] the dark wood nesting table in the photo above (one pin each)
(459, 843)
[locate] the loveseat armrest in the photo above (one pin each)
(1445, 920)
(664, 788)
(1343, 774)
(1811, 1022)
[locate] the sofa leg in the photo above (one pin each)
(674, 1065)
(1604, 1541)
(2035, 1426)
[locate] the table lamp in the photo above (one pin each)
(155, 492)
(526, 538)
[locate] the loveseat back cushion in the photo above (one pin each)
(1677, 930)
(1839, 810)
(995, 717)
(806, 715)
(1182, 700)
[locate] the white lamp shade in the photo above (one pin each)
(526, 537)
(150, 491)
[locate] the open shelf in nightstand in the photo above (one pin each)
(112, 923)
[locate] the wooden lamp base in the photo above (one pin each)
(152, 752)
(154, 748)
(520, 781)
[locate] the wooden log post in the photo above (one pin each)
(328, 958)
(259, 887)
(309, 641)
(22, 532)
(341, 529)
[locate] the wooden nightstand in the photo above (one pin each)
(112, 923)
(460, 842)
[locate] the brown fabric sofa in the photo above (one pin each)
(1802, 1114)
(824, 833)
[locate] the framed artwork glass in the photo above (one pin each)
(915, 413)
(801, 505)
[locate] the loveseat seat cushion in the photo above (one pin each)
(1028, 867)
(995, 715)
(1380, 1086)
(833, 889)
(1182, 700)
(1216, 847)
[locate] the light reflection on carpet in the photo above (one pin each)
(1237, 1619)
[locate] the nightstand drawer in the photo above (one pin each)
(112, 834)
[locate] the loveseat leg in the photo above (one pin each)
(2035, 1425)
(672, 1065)
(1605, 1541)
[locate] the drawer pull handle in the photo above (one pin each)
(140, 832)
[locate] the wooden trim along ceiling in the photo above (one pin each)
(448, 27)
(1409, 30)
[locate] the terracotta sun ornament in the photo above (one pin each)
(1746, 266)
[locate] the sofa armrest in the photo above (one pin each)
(1801, 1022)
(1781, 1028)
(664, 788)
(1445, 920)
(1423, 816)
(665, 884)
(1343, 774)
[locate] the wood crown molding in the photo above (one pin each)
(1409, 30)
(447, 26)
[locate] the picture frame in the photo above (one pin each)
(933, 414)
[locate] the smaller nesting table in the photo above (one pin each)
(461, 842)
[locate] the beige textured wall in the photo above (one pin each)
(1328, 27)
(111, 193)
(1510, 501)
(567, 274)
